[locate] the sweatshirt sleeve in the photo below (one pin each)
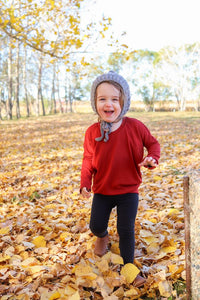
(151, 144)
(87, 169)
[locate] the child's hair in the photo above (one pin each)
(118, 87)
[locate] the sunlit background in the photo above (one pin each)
(150, 24)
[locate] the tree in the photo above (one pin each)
(180, 70)
(145, 75)
(53, 97)
(49, 26)
(25, 82)
(39, 94)
(17, 81)
(10, 80)
(116, 60)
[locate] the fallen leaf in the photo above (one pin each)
(5, 230)
(4, 257)
(55, 295)
(165, 289)
(102, 265)
(130, 272)
(116, 259)
(131, 292)
(85, 271)
(39, 241)
(75, 296)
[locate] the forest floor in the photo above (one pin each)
(46, 245)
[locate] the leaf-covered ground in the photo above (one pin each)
(46, 245)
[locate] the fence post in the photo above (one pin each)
(187, 235)
(191, 192)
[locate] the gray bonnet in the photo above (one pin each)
(110, 76)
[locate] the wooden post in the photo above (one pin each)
(187, 235)
(191, 184)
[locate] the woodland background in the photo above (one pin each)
(47, 64)
(48, 60)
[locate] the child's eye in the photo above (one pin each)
(115, 99)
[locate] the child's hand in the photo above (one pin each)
(148, 162)
(85, 193)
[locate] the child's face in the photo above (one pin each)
(108, 102)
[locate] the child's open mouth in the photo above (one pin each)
(108, 112)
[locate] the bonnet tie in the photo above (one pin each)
(105, 128)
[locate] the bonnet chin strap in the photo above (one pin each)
(105, 131)
(105, 128)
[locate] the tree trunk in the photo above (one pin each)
(66, 93)
(18, 115)
(42, 100)
(25, 83)
(39, 89)
(59, 99)
(53, 97)
(10, 81)
(70, 98)
(39, 97)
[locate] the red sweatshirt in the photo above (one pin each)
(112, 167)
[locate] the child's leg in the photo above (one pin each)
(100, 213)
(127, 206)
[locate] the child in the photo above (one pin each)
(113, 155)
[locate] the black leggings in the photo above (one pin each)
(127, 205)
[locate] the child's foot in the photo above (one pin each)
(139, 281)
(101, 245)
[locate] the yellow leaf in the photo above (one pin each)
(165, 289)
(157, 178)
(4, 258)
(107, 256)
(131, 292)
(75, 296)
(160, 276)
(64, 235)
(130, 272)
(50, 206)
(116, 259)
(69, 290)
(51, 198)
(149, 240)
(5, 230)
(153, 248)
(29, 262)
(102, 265)
(115, 248)
(124, 45)
(119, 292)
(165, 251)
(39, 241)
(112, 297)
(85, 271)
(35, 269)
(145, 233)
(153, 220)
(174, 269)
(55, 295)
(168, 249)
(47, 228)
(173, 211)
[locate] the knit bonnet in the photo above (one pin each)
(110, 76)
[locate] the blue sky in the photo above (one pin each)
(152, 24)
